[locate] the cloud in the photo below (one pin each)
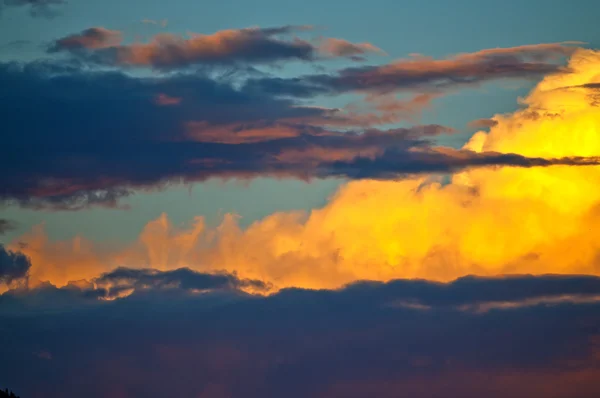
(37, 8)
(92, 38)
(249, 46)
(226, 47)
(163, 99)
(343, 48)
(483, 123)
(13, 266)
(297, 343)
(421, 226)
(138, 280)
(424, 73)
(592, 86)
(98, 134)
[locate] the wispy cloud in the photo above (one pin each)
(92, 38)
(428, 74)
(163, 22)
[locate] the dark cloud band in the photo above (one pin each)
(384, 339)
(79, 138)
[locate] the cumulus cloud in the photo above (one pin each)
(13, 265)
(297, 342)
(418, 227)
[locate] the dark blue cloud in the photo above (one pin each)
(13, 265)
(75, 137)
(352, 342)
(184, 279)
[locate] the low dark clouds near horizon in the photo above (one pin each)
(519, 336)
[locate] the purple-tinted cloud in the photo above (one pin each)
(427, 74)
(100, 135)
(92, 38)
(226, 47)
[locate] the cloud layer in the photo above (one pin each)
(100, 135)
(522, 336)
(484, 221)
(195, 310)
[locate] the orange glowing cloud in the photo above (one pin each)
(167, 50)
(343, 48)
(485, 221)
(253, 45)
(166, 100)
(479, 62)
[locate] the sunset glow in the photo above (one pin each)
(195, 208)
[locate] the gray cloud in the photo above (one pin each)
(6, 225)
(482, 123)
(183, 279)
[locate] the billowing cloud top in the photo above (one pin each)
(425, 227)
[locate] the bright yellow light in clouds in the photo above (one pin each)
(486, 221)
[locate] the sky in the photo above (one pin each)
(311, 199)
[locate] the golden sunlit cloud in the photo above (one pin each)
(485, 221)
